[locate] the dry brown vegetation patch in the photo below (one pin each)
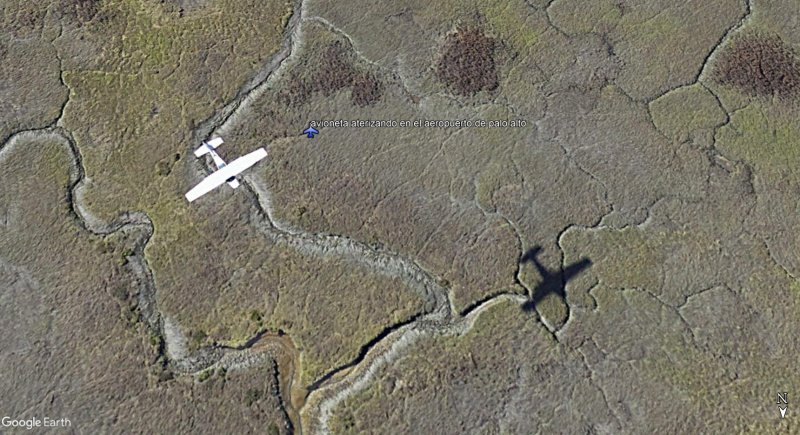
(759, 65)
(467, 62)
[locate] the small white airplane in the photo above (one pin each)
(226, 172)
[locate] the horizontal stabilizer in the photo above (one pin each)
(208, 146)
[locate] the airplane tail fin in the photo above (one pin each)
(208, 146)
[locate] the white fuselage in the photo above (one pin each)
(233, 182)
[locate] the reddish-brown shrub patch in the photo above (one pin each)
(758, 65)
(81, 11)
(366, 89)
(467, 63)
(297, 91)
(330, 72)
(335, 70)
(31, 19)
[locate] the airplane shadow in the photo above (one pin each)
(552, 282)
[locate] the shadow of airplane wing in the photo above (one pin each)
(575, 268)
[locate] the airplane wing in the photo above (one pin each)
(221, 176)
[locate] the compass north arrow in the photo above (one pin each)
(783, 411)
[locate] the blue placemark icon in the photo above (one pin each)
(310, 131)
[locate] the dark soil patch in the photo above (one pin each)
(761, 66)
(467, 63)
